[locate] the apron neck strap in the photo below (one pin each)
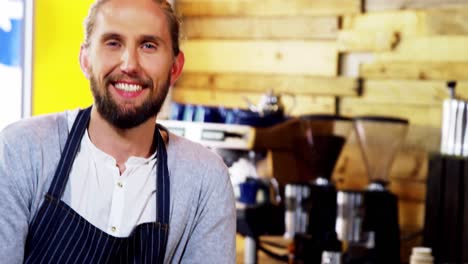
(69, 152)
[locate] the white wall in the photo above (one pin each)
(11, 14)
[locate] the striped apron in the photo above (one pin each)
(60, 235)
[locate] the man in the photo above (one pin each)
(97, 185)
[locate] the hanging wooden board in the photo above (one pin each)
(279, 83)
(287, 57)
(380, 5)
(282, 28)
(267, 7)
(302, 104)
(415, 70)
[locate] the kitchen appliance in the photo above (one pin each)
(258, 211)
(446, 211)
(270, 104)
(368, 220)
(318, 145)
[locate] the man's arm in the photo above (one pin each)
(213, 237)
(14, 204)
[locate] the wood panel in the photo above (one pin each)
(267, 7)
(411, 23)
(429, 49)
(290, 57)
(379, 5)
(260, 83)
(415, 70)
(416, 114)
(281, 28)
(262, 257)
(411, 214)
(426, 138)
(303, 105)
(414, 191)
(406, 92)
(447, 21)
(354, 41)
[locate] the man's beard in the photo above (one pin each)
(125, 117)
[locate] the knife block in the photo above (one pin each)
(446, 217)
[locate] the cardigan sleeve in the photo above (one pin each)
(213, 236)
(15, 201)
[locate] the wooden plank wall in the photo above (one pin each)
(237, 48)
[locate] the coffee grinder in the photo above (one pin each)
(379, 139)
(319, 144)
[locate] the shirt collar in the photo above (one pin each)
(100, 156)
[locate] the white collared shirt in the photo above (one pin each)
(112, 202)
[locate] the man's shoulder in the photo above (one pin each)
(192, 154)
(34, 129)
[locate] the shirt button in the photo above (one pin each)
(120, 184)
(113, 229)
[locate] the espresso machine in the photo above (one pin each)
(367, 220)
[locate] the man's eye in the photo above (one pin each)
(149, 46)
(112, 43)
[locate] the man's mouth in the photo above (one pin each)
(128, 87)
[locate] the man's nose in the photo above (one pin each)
(130, 63)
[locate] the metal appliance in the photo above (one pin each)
(233, 142)
(368, 220)
(319, 144)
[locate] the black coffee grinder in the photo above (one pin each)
(379, 138)
(321, 140)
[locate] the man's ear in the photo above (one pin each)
(177, 67)
(84, 61)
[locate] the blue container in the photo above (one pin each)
(208, 114)
(177, 111)
(248, 192)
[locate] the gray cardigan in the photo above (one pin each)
(202, 214)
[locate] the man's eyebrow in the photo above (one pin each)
(151, 38)
(110, 35)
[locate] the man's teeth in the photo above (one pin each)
(128, 87)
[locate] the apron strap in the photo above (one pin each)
(162, 194)
(72, 146)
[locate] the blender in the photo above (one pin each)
(368, 221)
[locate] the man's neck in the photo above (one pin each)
(121, 143)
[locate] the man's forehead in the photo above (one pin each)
(149, 5)
(137, 13)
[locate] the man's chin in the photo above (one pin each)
(130, 116)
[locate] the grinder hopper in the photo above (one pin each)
(379, 138)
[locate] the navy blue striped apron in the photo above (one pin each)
(60, 235)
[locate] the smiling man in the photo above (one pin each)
(106, 184)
